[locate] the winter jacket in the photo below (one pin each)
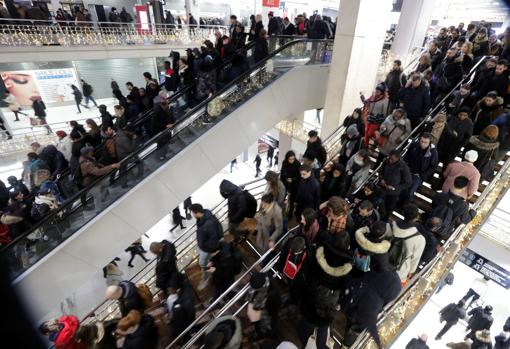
(486, 149)
(360, 125)
(459, 206)
(349, 147)
(130, 299)
(455, 135)
(494, 82)
(209, 232)
(87, 89)
(452, 313)
(359, 173)
(144, 337)
(448, 73)
(317, 151)
(290, 171)
(160, 119)
(396, 132)
(333, 186)
(502, 341)
(236, 201)
(484, 115)
(377, 250)
(422, 162)
(466, 169)
(65, 338)
(396, 175)
(416, 101)
(479, 319)
(183, 309)
(269, 225)
(366, 296)
(227, 266)
(123, 144)
(356, 220)
(431, 244)
(273, 27)
(91, 170)
(417, 343)
(39, 108)
(166, 265)
(330, 276)
(376, 106)
(395, 80)
(412, 250)
(54, 159)
(231, 328)
(261, 49)
(280, 197)
(460, 101)
(308, 194)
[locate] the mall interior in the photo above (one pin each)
(255, 174)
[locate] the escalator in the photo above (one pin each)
(416, 291)
(75, 243)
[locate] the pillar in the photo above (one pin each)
(412, 26)
(357, 50)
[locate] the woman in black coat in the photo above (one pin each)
(290, 177)
(261, 47)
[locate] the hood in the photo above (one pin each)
(386, 284)
(235, 337)
(482, 145)
(375, 247)
(483, 336)
(49, 151)
(403, 229)
(228, 189)
(339, 271)
(498, 103)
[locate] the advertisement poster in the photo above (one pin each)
(53, 85)
(271, 3)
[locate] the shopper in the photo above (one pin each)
(290, 177)
(308, 191)
(40, 112)
(395, 80)
(456, 134)
(87, 93)
(237, 205)
(180, 304)
(261, 50)
(479, 319)
(61, 332)
(127, 295)
(415, 99)
(224, 265)
(451, 314)
(466, 169)
(315, 149)
(372, 248)
(78, 97)
(257, 162)
(162, 120)
(263, 305)
(224, 332)
(269, 223)
(136, 331)
(136, 249)
(418, 342)
(166, 265)
(177, 219)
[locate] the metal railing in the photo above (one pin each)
(24, 32)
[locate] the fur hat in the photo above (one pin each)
(491, 132)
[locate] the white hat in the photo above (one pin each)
(471, 156)
(286, 345)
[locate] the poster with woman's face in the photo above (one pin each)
(22, 85)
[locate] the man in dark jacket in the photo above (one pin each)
(452, 313)
(497, 80)
(182, 304)
(315, 148)
(224, 266)
(272, 27)
(162, 119)
(395, 80)
(456, 134)
(480, 319)
(127, 294)
(261, 49)
(461, 98)
(237, 208)
(87, 93)
(288, 27)
(17, 185)
(166, 266)
(367, 297)
(415, 99)
(422, 159)
(448, 74)
(209, 234)
(395, 178)
(418, 343)
(308, 192)
(363, 215)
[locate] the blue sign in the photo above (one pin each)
(485, 267)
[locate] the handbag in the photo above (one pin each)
(362, 262)
(312, 344)
(290, 269)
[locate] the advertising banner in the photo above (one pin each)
(271, 3)
(53, 85)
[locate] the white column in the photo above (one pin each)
(193, 7)
(359, 40)
(413, 23)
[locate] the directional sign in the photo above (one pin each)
(486, 267)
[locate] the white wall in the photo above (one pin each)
(64, 270)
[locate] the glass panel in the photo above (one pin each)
(27, 250)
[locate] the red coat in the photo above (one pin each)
(65, 338)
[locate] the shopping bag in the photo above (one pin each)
(312, 344)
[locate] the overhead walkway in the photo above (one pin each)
(72, 244)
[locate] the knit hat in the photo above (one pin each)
(86, 150)
(61, 134)
(352, 131)
(471, 156)
(491, 132)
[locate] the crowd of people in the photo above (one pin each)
(348, 252)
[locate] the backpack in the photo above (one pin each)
(145, 294)
(361, 261)
(251, 204)
(395, 254)
(87, 89)
(290, 269)
(445, 212)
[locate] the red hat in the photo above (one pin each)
(270, 13)
(61, 134)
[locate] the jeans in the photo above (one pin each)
(203, 260)
(90, 98)
(469, 294)
(306, 329)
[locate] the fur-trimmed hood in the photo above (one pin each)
(483, 336)
(336, 272)
(374, 247)
(482, 145)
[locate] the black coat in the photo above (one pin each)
(39, 108)
(395, 80)
(416, 343)
(166, 265)
(183, 310)
(87, 89)
(430, 250)
(448, 74)
(145, 336)
(54, 159)
(289, 30)
(160, 119)
(130, 299)
(308, 194)
(209, 232)
(360, 125)
(396, 175)
(494, 82)
(290, 171)
(226, 268)
(422, 162)
(332, 186)
(377, 250)
(272, 27)
(416, 101)
(480, 320)
(452, 313)
(486, 149)
(237, 209)
(455, 134)
(261, 50)
(459, 206)
(317, 151)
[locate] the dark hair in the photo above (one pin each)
(129, 83)
(411, 213)
(305, 167)
(32, 156)
(197, 208)
(147, 75)
(395, 152)
(378, 229)
(74, 123)
(233, 17)
(267, 198)
(460, 182)
(426, 135)
(298, 244)
(310, 215)
(289, 154)
(43, 328)
(366, 205)
(398, 62)
(338, 205)
(503, 62)
(312, 133)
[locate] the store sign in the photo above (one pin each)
(485, 267)
(271, 3)
(53, 85)
(269, 140)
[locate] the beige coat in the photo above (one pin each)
(269, 225)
